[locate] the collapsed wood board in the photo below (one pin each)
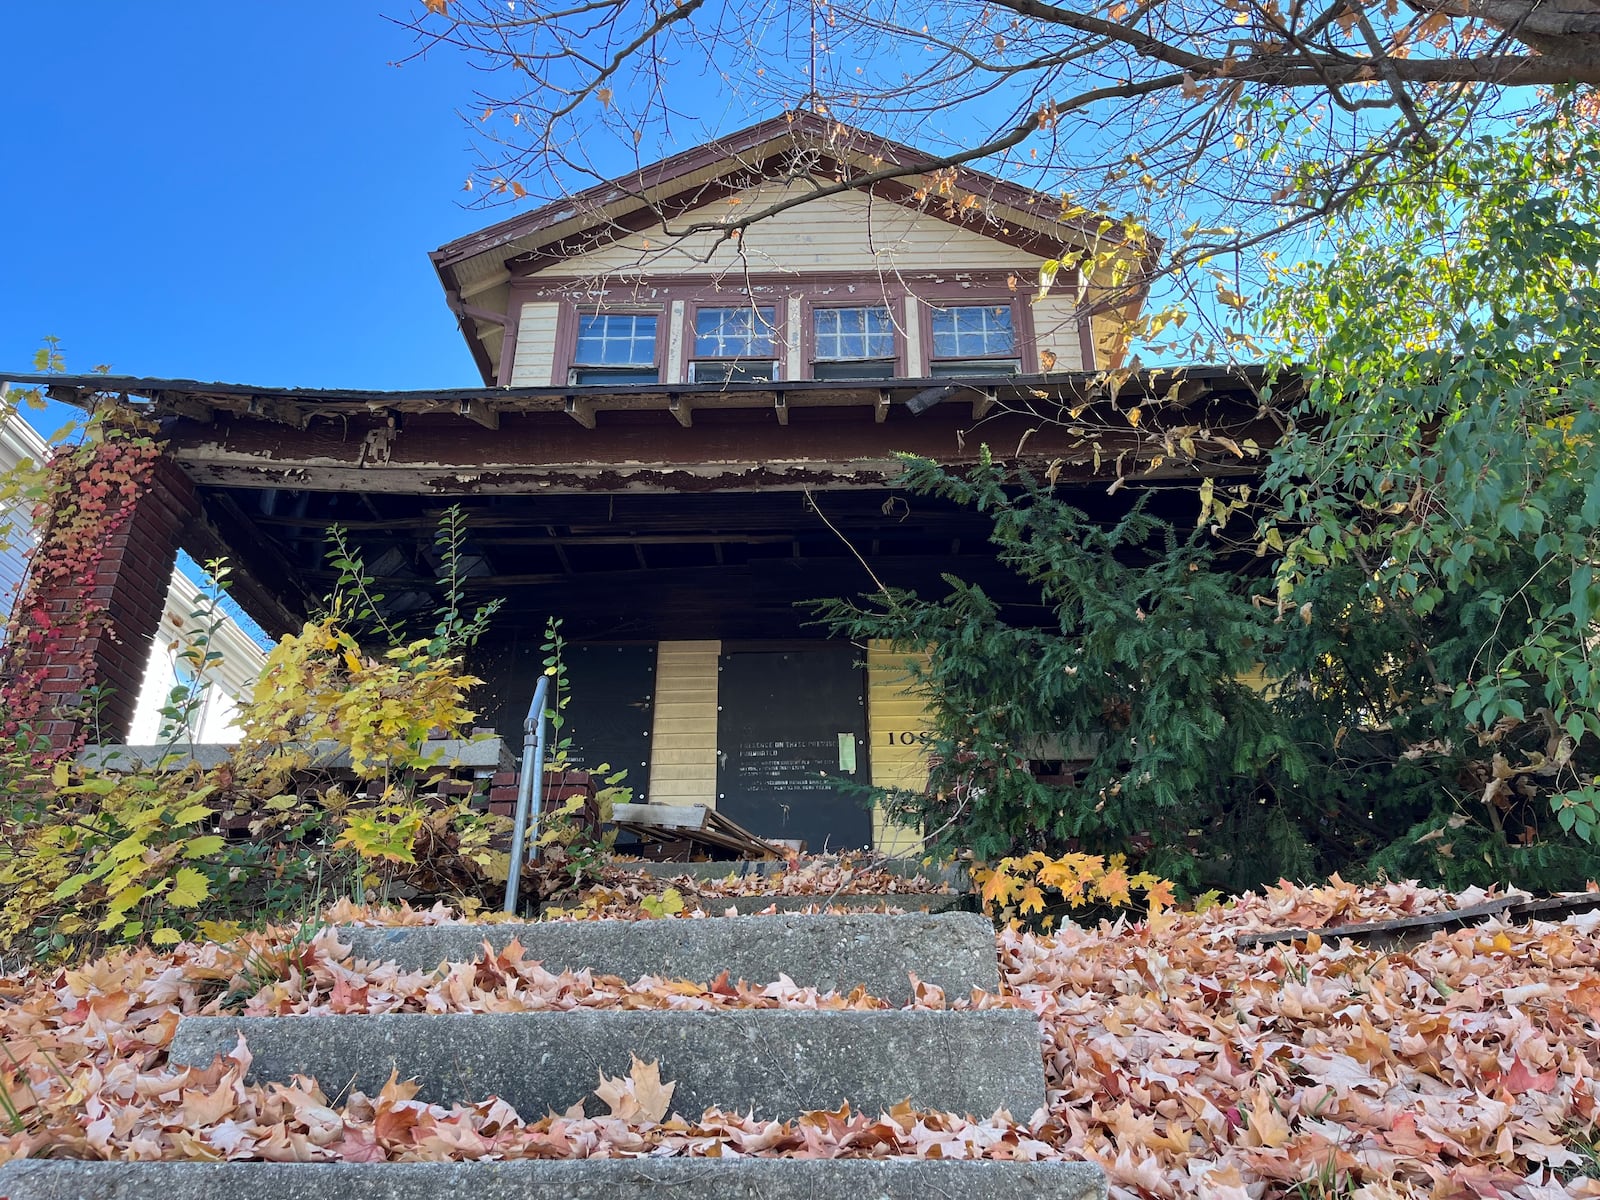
(692, 823)
(1410, 931)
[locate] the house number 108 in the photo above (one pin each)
(909, 739)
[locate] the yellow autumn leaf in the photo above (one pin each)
(189, 888)
(1032, 899)
(997, 888)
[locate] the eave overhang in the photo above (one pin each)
(1173, 388)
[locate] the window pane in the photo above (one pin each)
(615, 376)
(616, 339)
(853, 333)
(973, 331)
(733, 332)
(986, 367)
(731, 372)
(869, 368)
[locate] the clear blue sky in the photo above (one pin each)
(240, 192)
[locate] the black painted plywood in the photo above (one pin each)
(789, 724)
(609, 715)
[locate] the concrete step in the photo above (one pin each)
(777, 1062)
(956, 951)
(587, 1179)
(951, 875)
(932, 902)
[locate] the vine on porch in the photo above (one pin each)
(81, 497)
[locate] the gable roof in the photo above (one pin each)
(482, 263)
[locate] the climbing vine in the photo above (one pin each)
(81, 498)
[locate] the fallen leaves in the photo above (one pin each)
(1182, 1063)
(637, 1096)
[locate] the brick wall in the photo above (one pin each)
(131, 582)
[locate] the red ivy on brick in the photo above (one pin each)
(90, 491)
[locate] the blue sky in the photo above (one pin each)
(242, 192)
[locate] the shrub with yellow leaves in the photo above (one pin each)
(1035, 885)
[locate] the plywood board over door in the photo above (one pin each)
(610, 710)
(791, 740)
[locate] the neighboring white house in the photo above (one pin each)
(226, 684)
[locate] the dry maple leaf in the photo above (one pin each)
(640, 1096)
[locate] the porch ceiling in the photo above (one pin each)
(646, 567)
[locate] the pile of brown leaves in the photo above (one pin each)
(1181, 1064)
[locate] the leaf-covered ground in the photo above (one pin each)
(1180, 1063)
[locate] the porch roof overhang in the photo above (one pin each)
(1178, 388)
(714, 501)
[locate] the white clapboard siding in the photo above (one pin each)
(16, 543)
(1055, 328)
(683, 750)
(536, 345)
(18, 442)
(847, 232)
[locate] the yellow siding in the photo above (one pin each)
(536, 346)
(683, 752)
(848, 232)
(895, 718)
(1055, 328)
(1257, 680)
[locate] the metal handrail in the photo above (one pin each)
(530, 791)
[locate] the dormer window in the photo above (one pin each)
(734, 345)
(617, 349)
(853, 343)
(974, 339)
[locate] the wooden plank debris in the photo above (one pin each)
(695, 823)
(1404, 932)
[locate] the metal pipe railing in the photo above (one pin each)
(530, 792)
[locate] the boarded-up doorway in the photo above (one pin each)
(609, 712)
(791, 727)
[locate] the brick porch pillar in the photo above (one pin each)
(130, 582)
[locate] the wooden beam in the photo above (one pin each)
(547, 453)
(462, 309)
(982, 405)
(682, 408)
(481, 413)
(780, 405)
(222, 531)
(581, 411)
(880, 410)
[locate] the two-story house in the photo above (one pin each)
(687, 429)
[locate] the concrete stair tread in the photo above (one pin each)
(930, 902)
(955, 951)
(586, 1179)
(777, 1062)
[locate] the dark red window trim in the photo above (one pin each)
(1027, 344)
(725, 299)
(656, 295)
(567, 334)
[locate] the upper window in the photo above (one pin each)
(974, 339)
(853, 343)
(615, 348)
(734, 345)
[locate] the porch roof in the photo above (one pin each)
(1179, 388)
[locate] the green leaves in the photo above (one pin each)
(1130, 678)
(1445, 446)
